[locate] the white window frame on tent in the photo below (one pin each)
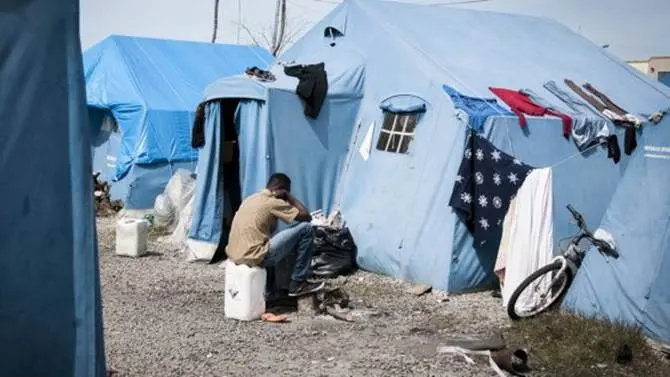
(397, 132)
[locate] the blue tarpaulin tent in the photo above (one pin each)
(274, 135)
(142, 94)
(396, 204)
(634, 288)
(50, 311)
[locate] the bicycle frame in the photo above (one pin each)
(572, 258)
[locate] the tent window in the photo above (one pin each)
(397, 132)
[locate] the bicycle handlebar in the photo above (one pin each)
(602, 246)
(578, 217)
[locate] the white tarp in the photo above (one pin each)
(528, 234)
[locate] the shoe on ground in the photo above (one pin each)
(306, 288)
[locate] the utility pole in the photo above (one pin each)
(279, 27)
(215, 27)
(239, 19)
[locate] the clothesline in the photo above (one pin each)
(574, 155)
(561, 162)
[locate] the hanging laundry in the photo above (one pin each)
(615, 113)
(657, 116)
(312, 87)
(633, 119)
(605, 100)
(521, 104)
(604, 105)
(588, 98)
(486, 182)
(630, 141)
(589, 126)
(613, 150)
(527, 237)
(476, 110)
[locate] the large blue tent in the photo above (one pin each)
(50, 311)
(396, 204)
(142, 94)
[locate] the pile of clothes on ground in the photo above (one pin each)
(104, 206)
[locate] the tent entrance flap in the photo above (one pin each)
(228, 172)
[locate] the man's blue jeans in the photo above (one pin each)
(297, 240)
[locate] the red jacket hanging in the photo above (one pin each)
(521, 104)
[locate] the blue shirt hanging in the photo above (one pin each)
(477, 109)
(487, 180)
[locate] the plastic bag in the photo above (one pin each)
(334, 252)
(180, 189)
(180, 233)
(163, 211)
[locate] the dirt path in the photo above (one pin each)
(164, 317)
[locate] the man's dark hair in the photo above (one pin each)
(279, 181)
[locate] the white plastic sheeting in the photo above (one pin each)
(528, 235)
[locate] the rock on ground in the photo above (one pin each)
(164, 317)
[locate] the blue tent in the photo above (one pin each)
(396, 203)
(50, 311)
(142, 95)
(634, 288)
(273, 134)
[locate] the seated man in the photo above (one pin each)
(251, 241)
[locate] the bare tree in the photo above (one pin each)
(215, 27)
(279, 35)
(265, 37)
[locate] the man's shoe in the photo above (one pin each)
(306, 288)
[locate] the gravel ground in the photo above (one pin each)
(164, 317)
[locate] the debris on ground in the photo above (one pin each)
(564, 344)
(624, 355)
(104, 206)
(661, 348)
(512, 360)
(329, 301)
(494, 342)
(420, 290)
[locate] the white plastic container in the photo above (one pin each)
(131, 237)
(245, 292)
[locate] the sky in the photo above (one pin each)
(634, 29)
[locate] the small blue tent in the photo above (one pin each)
(267, 121)
(634, 288)
(142, 95)
(396, 204)
(50, 311)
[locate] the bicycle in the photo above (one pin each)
(561, 270)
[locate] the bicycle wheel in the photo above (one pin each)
(548, 295)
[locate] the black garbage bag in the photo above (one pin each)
(334, 252)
